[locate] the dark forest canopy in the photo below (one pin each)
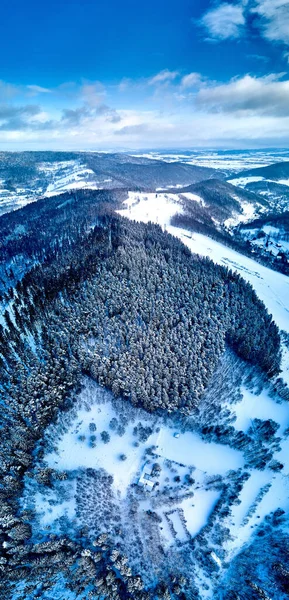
(144, 306)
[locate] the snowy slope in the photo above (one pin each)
(68, 175)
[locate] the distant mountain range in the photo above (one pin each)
(26, 176)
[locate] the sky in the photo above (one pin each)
(121, 74)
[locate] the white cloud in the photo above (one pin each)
(225, 21)
(92, 93)
(244, 112)
(229, 21)
(37, 89)
(165, 76)
(248, 95)
(191, 80)
(7, 91)
(274, 19)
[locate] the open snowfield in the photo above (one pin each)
(191, 450)
(198, 509)
(262, 407)
(224, 160)
(249, 213)
(156, 207)
(243, 181)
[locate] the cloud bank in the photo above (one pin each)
(171, 109)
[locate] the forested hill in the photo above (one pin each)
(127, 304)
(276, 171)
(39, 231)
(130, 304)
(221, 200)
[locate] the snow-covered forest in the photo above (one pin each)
(145, 412)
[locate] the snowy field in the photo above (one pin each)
(249, 213)
(179, 453)
(228, 161)
(244, 181)
(156, 207)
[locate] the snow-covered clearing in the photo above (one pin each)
(50, 509)
(198, 509)
(68, 175)
(260, 407)
(270, 230)
(194, 197)
(181, 495)
(156, 207)
(249, 212)
(74, 452)
(191, 450)
(243, 181)
(75, 449)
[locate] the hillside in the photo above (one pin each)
(269, 235)
(223, 202)
(271, 182)
(276, 172)
(102, 301)
(27, 176)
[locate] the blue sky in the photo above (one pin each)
(92, 74)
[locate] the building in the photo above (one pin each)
(146, 481)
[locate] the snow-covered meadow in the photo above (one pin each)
(136, 441)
